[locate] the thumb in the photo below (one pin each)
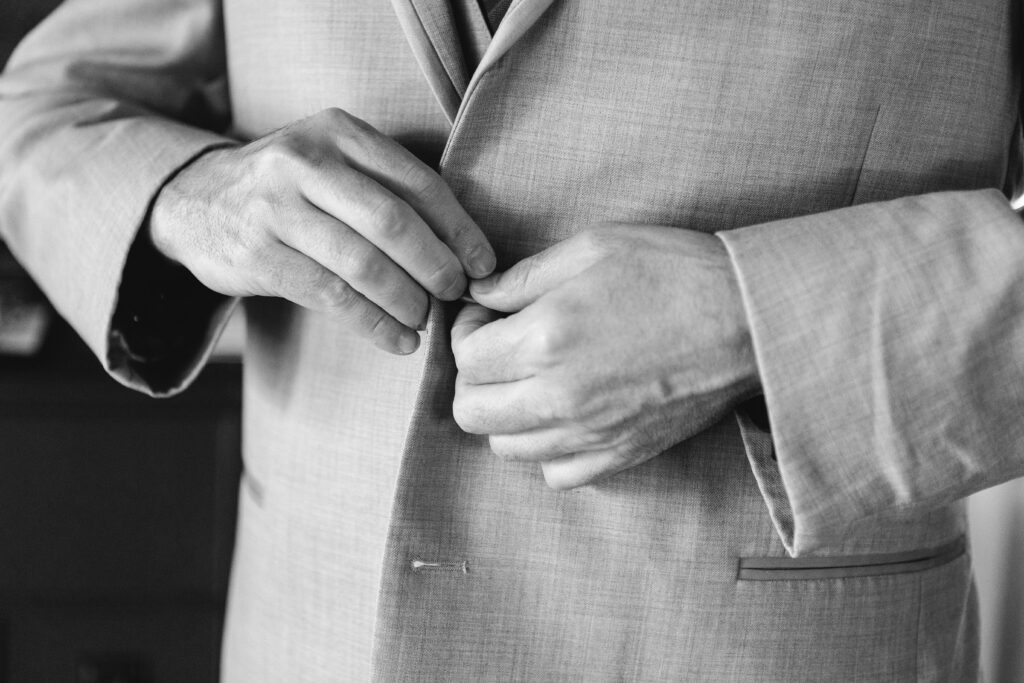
(534, 276)
(470, 319)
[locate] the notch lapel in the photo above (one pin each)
(521, 15)
(432, 32)
(430, 28)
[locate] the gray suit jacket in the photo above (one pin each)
(855, 158)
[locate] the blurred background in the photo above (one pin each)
(117, 511)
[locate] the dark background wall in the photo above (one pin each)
(116, 510)
(18, 17)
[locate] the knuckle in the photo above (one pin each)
(463, 412)
(346, 128)
(562, 404)
(524, 272)
(590, 439)
(419, 179)
(547, 341)
(255, 230)
(389, 218)
(601, 238)
(632, 450)
(469, 357)
(445, 280)
(239, 254)
(333, 115)
(365, 269)
(248, 250)
(357, 123)
(261, 212)
(280, 157)
(463, 232)
(334, 293)
(462, 353)
(338, 120)
(459, 412)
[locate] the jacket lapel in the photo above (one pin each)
(430, 28)
(521, 15)
(432, 32)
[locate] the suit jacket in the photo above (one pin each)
(855, 158)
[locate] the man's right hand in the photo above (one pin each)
(329, 213)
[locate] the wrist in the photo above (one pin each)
(172, 203)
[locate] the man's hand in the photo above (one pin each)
(623, 341)
(330, 214)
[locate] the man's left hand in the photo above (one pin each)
(621, 341)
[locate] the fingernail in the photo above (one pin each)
(483, 286)
(481, 261)
(408, 342)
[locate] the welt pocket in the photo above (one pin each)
(849, 566)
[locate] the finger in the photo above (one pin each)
(470, 319)
(391, 225)
(397, 169)
(528, 280)
(485, 347)
(363, 266)
(506, 408)
(545, 444)
(579, 469)
(300, 279)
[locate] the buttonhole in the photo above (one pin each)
(424, 566)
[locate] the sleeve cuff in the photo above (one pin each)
(888, 340)
(164, 323)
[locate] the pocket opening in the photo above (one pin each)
(804, 568)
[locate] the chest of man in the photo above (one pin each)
(705, 115)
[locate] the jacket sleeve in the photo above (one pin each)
(890, 342)
(100, 105)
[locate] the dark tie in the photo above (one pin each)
(494, 10)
